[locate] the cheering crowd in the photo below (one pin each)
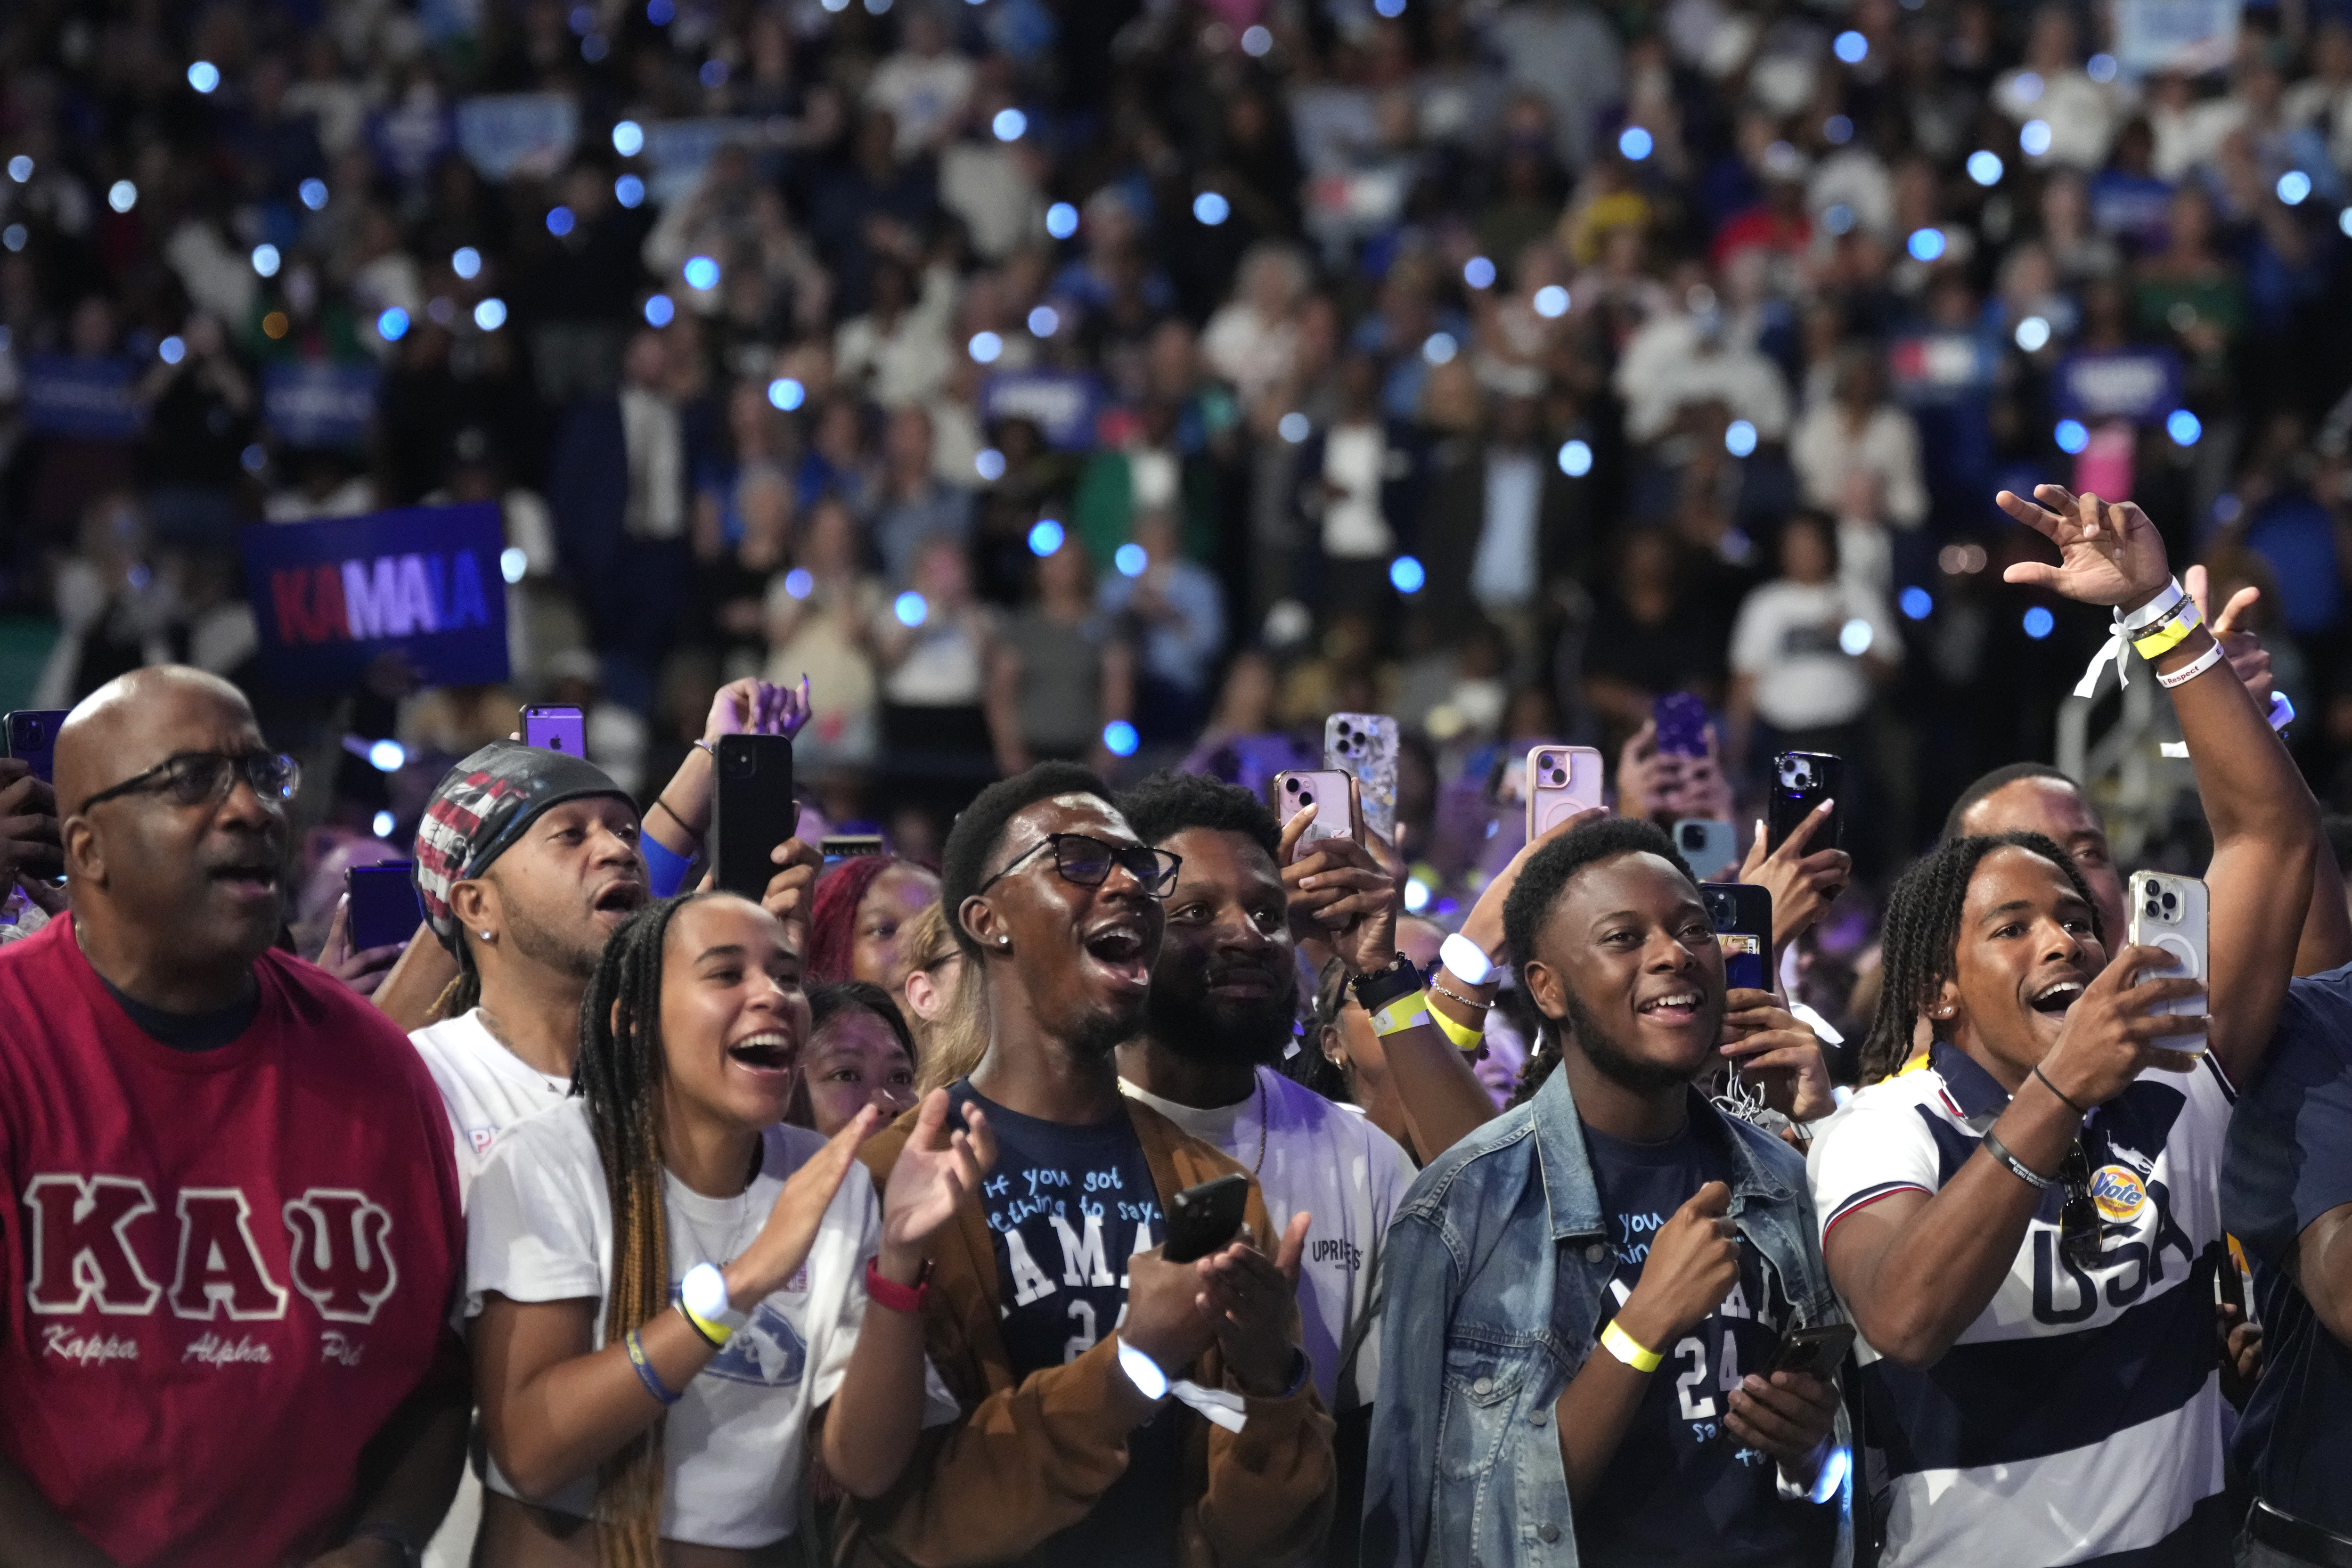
(661, 1238)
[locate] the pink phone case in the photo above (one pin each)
(1326, 789)
(1561, 782)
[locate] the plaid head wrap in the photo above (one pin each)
(482, 805)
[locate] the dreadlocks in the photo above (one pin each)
(1922, 937)
(620, 1074)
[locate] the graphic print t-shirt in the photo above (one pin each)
(1682, 1489)
(224, 1269)
(1068, 1206)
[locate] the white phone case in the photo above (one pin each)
(2169, 912)
(1561, 782)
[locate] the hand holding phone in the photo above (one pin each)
(384, 909)
(1561, 782)
(1202, 1219)
(32, 739)
(1365, 744)
(1817, 1352)
(1329, 791)
(1802, 781)
(2170, 913)
(756, 811)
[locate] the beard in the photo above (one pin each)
(1610, 1057)
(1099, 1034)
(570, 951)
(1252, 1034)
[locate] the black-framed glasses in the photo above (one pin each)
(198, 778)
(1088, 862)
(2078, 1213)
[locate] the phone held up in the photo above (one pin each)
(1365, 744)
(1681, 719)
(385, 910)
(1800, 781)
(1741, 914)
(561, 730)
(1203, 1218)
(32, 739)
(2169, 912)
(1709, 845)
(1561, 782)
(1325, 789)
(755, 813)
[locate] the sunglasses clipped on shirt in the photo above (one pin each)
(200, 778)
(1088, 862)
(2078, 1213)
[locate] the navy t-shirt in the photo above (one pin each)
(1068, 1206)
(1681, 1489)
(2290, 1162)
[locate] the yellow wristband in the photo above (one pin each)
(1628, 1348)
(717, 1333)
(1404, 1013)
(1464, 1037)
(2171, 633)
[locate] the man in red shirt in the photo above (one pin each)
(229, 1232)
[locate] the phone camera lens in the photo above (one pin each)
(1290, 786)
(2170, 903)
(1305, 798)
(739, 764)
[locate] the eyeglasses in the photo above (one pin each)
(1088, 862)
(199, 778)
(2078, 1215)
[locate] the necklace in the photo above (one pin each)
(1262, 1110)
(739, 1206)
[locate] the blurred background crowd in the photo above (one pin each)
(1137, 381)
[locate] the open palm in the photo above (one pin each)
(2109, 553)
(935, 1172)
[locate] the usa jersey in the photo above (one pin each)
(2079, 1417)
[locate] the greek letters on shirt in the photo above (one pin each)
(105, 1244)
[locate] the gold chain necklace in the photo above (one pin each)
(1263, 1108)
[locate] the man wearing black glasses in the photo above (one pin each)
(230, 1220)
(1117, 1409)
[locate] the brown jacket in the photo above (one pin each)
(1029, 1456)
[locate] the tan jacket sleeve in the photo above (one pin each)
(1271, 1485)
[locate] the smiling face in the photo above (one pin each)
(2025, 954)
(1225, 986)
(734, 1019)
(896, 897)
(855, 1060)
(1628, 960)
(1083, 955)
(564, 887)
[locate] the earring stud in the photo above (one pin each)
(487, 937)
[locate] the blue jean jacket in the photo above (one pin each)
(1496, 1268)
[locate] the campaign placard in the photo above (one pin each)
(332, 596)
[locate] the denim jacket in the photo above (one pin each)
(1496, 1269)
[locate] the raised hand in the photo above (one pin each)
(2109, 553)
(364, 970)
(934, 1173)
(1779, 1054)
(1248, 1296)
(2109, 1035)
(791, 893)
(2243, 649)
(782, 1244)
(1802, 886)
(1340, 895)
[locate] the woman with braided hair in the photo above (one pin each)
(669, 1289)
(2023, 1217)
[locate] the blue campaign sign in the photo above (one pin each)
(88, 398)
(1933, 368)
(1061, 404)
(677, 149)
(2141, 385)
(332, 596)
(319, 404)
(505, 133)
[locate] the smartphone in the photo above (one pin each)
(2168, 913)
(1818, 1351)
(385, 910)
(33, 738)
(1325, 789)
(1709, 845)
(1742, 916)
(848, 845)
(1203, 1218)
(1561, 782)
(2229, 1281)
(756, 810)
(556, 728)
(1681, 719)
(1365, 744)
(1802, 781)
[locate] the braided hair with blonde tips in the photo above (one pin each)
(620, 1075)
(1920, 940)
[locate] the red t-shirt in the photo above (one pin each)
(225, 1269)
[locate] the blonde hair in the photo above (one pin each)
(958, 1037)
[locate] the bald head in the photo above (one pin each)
(175, 887)
(122, 729)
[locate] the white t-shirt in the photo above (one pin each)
(2080, 1415)
(540, 1229)
(1346, 1172)
(487, 1087)
(1787, 636)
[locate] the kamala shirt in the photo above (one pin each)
(2080, 1416)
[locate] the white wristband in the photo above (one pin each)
(1466, 960)
(1142, 1372)
(2154, 610)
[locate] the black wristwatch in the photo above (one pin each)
(411, 1555)
(1379, 987)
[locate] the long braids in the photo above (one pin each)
(620, 1074)
(1921, 938)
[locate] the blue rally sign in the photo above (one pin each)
(422, 582)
